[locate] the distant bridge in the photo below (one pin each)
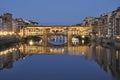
(46, 31)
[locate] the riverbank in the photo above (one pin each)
(109, 42)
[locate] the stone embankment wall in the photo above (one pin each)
(8, 39)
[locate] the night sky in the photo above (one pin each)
(57, 12)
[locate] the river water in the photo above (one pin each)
(81, 62)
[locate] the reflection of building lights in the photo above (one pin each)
(51, 50)
(117, 54)
(62, 50)
(83, 36)
(83, 53)
(10, 33)
(83, 41)
(13, 32)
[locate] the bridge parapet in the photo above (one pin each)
(55, 30)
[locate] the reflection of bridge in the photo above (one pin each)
(107, 58)
(46, 31)
(72, 50)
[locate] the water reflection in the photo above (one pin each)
(107, 58)
(8, 56)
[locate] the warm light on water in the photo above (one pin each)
(81, 62)
(83, 41)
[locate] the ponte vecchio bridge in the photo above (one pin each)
(45, 32)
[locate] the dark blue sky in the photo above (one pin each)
(57, 12)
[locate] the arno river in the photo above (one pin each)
(82, 62)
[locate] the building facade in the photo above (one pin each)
(115, 22)
(89, 20)
(22, 23)
(105, 25)
(14, 26)
(0, 23)
(7, 22)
